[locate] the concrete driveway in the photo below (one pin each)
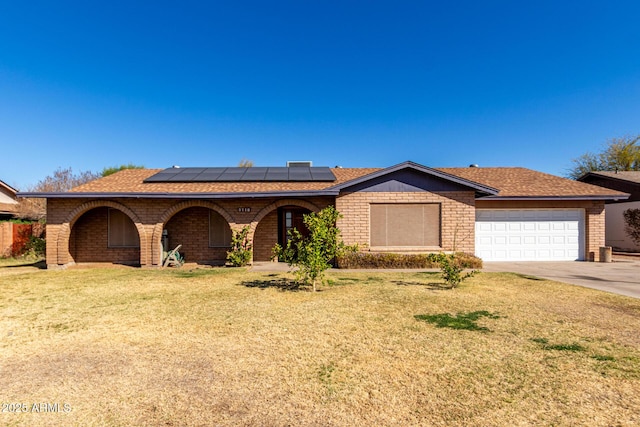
(620, 277)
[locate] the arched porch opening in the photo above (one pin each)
(104, 234)
(205, 235)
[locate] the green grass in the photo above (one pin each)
(466, 321)
(226, 347)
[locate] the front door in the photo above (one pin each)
(291, 217)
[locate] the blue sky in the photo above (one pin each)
(351, 83)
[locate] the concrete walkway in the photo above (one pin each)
(620, 277)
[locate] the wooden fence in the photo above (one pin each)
(14, 237)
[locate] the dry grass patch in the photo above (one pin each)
(231, 347)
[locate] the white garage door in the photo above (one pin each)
(530, 234)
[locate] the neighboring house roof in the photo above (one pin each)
(489, 183)
(8, 202)
(629, 176)
(626, 181)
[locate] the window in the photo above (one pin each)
(122, 231)
(405, 225)
(219, 231)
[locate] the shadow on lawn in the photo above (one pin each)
(433, 286)
(42, 265)
(279, 283)
(425, 280)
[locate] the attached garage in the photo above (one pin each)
(530, 234)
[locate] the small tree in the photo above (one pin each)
(313, 254)
(632, 221)
(113, 169)
(452, 270)
(241, 248)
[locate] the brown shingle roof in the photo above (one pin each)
(511, 181)
(522, 182)
(131, 181)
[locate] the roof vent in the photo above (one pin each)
(300, 164)
(473, 165)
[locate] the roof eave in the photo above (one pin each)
(601, 176)
(8, 187)
(563, 198)
(167, 195)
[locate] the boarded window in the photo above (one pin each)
(219, 231)
(409, 225)
(122, 231)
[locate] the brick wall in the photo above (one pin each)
(190, 228)
(152, 216)
(88, 241)
(595, 235)
(457, 216)
(266, 236)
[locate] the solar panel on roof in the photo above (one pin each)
(322, 174)
(276, 176)
(231, 175)
(207, 177)
(184, 177)
(299, 173)
(255, 174)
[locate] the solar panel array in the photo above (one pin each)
(252, 174)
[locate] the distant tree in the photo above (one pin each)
(245, 163)
(113, 169)
(62, 180)
(621, 154)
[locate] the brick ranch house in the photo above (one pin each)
(496, 213)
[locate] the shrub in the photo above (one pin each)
(357, 260)
(36, 247)
(241, 248)
(452, 271)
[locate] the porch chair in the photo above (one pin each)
(173, 258)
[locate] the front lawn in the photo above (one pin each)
(124, 346)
